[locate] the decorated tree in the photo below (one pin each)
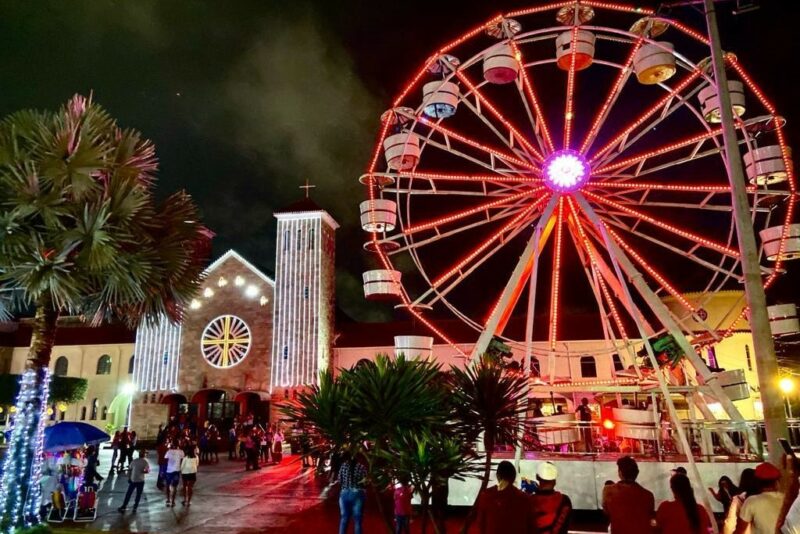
(81, 233)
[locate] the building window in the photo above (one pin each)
(286, 240)
(83, 413)
(95, 406)
(285, 352)
(536, 367)
(62, 416)
(749, 358)
(54, 410)
(588, 367)
(617, 361)
(299, 239)
(311, 239)
(104, 365)
(305, 292)
(62, 366)
(130, 364)
(105, 413)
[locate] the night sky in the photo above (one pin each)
(245, 100)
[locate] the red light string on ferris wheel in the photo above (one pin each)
(597, 274)
(491, 239)
(654, 186)
(664, 226)
(614, 6)
(569, 109)
(446, 177)
(650, 270)
(556, 275)
(475, 144)
(689, 141)
(530, 92)
(611, 98)
(499, 116)
(647, 114)
(471, 211)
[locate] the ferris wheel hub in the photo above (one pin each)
(565, 170)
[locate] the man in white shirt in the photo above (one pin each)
(173, 457)
(760, 512)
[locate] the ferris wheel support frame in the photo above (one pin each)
(763, 345)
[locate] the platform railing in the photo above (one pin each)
(659, 441)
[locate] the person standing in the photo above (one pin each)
(90, 474)
(683, 515)
(725, 492)
(114, 453)
(133, 442)
(403, 492)
(585, 416)
(552, 510)
(173, 457)
(504, 509)
(629, 507)
(232, 442)
(352, 479)
(748, 486)
(136, 474)
(277, 446)
(760, 512)
(189, 475)
(124, 443)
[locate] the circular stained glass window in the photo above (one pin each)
(225, 341)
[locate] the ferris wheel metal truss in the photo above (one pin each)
(524, 177)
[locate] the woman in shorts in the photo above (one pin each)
(189, 475)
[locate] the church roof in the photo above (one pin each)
(302, 206)
(235, 255)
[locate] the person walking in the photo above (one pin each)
(760, 512)
(629, 507)
(114, 452)
(174, 456)
(189, 465)
(90, 474)
(136, 475)
(748, 486)
(552, 510)
(403, 492)
(352, 479)
(504, 509)
(124, 443)
(725, 492)
(682, 515)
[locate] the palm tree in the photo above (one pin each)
(81, 233)
(489, 399)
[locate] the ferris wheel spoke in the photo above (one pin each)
(491, 165)
(487, 104)
(449, 134)
(611, 220)
(539, 125)
(505, 213)
(662, 104)
(555, 284)
(691, 236)
(519, 219)
(485, 207)
(613, 94)
(658, 186)
(450, 177)
(696, 141)
(569, 107)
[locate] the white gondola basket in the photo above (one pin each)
(783, 319)
(771, 240)
(402, 151)
(378, 215)
(654, 63)
(413, 346)
(709, 100)
(500, 66)
(734, 384)
(584, 49)
(381, 284)
(765, 165)
(440, 99)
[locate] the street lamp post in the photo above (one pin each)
(767, 363)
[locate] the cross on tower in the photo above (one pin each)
(307, 187)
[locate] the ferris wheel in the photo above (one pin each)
(575, 132)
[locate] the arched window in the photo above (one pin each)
(130, 364)
(54, 411)
(536, 367)
(104, 365)
(95, 406)
(618, 365)
(62, 415)
(62, 366)
(588, 367)
(105, 413)
(83, 413)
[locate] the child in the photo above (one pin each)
(403, 492)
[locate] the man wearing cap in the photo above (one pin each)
(629, 507)
(504, 509)
(551, 509)
(759, 513)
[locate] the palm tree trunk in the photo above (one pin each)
(21, 497)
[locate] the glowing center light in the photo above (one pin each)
(565, 170)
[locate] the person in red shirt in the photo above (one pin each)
(403, 492)
(551, 509)
(683, 515)
(504, 509)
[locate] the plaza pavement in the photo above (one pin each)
(281, 498)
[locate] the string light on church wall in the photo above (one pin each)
(157, 356)
(20, 501)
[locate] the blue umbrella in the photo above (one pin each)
(72, 435)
